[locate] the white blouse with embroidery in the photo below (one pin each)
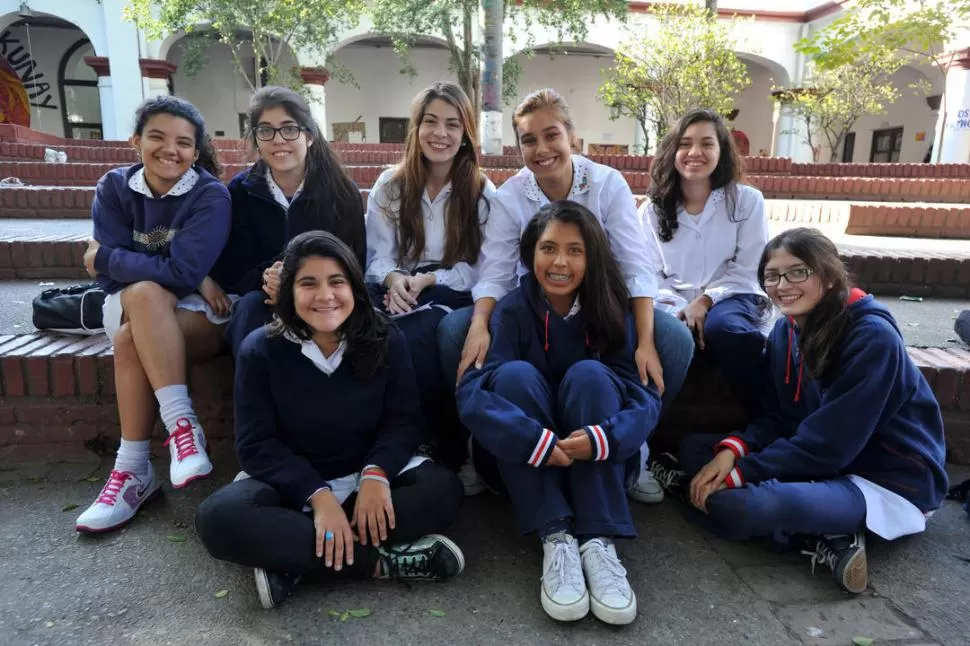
(185, 184)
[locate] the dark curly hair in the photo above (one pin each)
(364, 331)
(665, 191)
(179, 107)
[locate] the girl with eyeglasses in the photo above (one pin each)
(296, 185)
(850, 437)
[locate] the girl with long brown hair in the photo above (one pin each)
(425, 220)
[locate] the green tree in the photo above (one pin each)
(835, 99)
(917, 31)
(264, 29)
(684, 60)
(459, 22)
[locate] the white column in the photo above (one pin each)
(318, 107)
(110, 126)
(123, 55)
(952, 143)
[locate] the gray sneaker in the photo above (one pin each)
(845, 555)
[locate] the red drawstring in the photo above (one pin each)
(547, 331)
(791, 334)
(798, 388)
(587, 338)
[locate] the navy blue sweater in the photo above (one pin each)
(261, 227)
(524, 327)
(873, 415)
(173, 241)
(297, 428)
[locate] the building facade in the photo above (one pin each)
(83, 70)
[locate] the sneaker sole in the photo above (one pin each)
(453, 547)
(559, 612)
(474, 490)
(855, 577)
(646, 498)
(262, 589)
(84, 529)
(198, 476)
(614, 616)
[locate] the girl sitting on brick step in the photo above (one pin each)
(327, 423)
(561, 408)
(158, 228)
(424, 236)
(297, 185)
(850, 436)
(545, 134)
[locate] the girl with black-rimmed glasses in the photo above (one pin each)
(296, 185)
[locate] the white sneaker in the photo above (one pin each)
(189, 459)
(612, 599)
(647, 489)
(120, 499)
(564, 596)
(470, 480)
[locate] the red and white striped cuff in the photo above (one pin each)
(734, 479)
(735, 444)
(601, 447)
(546, 440)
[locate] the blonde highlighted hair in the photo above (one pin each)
(541, 100)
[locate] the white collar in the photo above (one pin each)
(310, 350)
(574, 310)
(187, 182)
(580, 182)
(443, 193)
(277, 192)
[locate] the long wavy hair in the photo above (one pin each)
(603, 292)
(364, 331)
(326, 184)
(826, 324)
(178, 107)
(665, 190)
(463, 233)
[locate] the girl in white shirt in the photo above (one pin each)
(545, 134)
(425, 221)
(707, 231)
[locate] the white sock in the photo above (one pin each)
(645, 456)
(133, 456)
(173, 404)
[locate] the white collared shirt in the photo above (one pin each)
(326, 365)
(382, 234)
(185, 184)
(277, 192)
(600, 189)
(709, 253)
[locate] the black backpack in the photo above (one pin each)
(72, 310)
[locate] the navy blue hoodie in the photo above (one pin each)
(873, 415)
(524, 327)
(261, 228)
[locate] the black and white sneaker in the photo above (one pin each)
(430, 558)
(666, 470)
(845, 555)
(274, 587)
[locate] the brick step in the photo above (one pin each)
(100, 155)
(956, 171)
(925, 220)
(60, 389)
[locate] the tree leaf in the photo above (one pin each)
(863, 641)
(221, 593)
(436, 613)
(345, 616)
(360, 612)
(69, 506)
(176, 538)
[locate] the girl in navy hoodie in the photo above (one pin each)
(297, 185)
(851, 436)
(425, 219)
(560, 405)
(158, 228)
(327, 424)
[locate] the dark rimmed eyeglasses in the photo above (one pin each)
(268, 133)
(793, 276)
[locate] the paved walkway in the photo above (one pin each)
(137, 587)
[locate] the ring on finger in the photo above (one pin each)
(328, 536)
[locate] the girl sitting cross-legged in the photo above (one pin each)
(327, 423)
(850, 437)
(562, 410)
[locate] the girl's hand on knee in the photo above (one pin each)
(419, 283)
(649, 366)
(399, 298)
(710, 476)
(373, 512)
(577, 446)
(89, 256)
(558, 458)
(215, 297)
(695, 314)
(475, 348)
(335, 540)
(707, 491)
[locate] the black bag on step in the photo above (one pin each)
(73, 310)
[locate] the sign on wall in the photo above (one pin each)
(22, 62)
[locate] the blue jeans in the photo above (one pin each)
(772, 508)
(673, 340)
(733, 341)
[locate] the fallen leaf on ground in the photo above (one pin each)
(360, 612)
(221, 593)
(175, 538)
(436, 613)
(49, 624)
(863, 641)
(345, 616)
(69, 506)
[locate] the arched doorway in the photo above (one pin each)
(80, 96)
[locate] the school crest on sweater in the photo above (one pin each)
(156, 240)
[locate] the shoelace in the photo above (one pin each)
(822, 554)
(402, 563)
(607, 573)
(117, 479)
(184, 439)
(564, 567)
(665, 476)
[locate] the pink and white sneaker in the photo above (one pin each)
(189, 459)
(119, 501)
